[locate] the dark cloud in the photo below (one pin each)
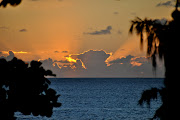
(131, 66)
(93, 59)
(79, 65)
(65, 51)
(52, 65)
(65, 68)
(48, 61)
(56, 51)
(23, 30)
(166, 4)
(101, 32)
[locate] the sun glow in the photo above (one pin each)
(16, 52)
(71, 59)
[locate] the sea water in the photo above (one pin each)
(101, 99)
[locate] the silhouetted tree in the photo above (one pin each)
(162, 40)
(25, 88)
(4, 3)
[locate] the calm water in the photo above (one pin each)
(101, 99)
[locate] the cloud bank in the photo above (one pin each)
(97, 64)
(94, 63)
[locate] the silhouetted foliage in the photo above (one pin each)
(148, 95)
(162, 39)
(25, 88)
(14, 3)
(154, 30)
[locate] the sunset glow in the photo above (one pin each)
(70, 59)
(136, 63)
(77, 34)
(16, 52)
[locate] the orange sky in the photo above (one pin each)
(42, 27)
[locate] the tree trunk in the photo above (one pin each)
(172, 74)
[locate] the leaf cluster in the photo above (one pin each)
(25, 88)
(155, 33)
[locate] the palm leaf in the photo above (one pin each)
(131, 28)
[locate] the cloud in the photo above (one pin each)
(23, 30)
(2, 55)
(62, 61)
(166, 4)
(49, 64)
(134, 61)
(9, 57)
(87, 64)
(128, 66)
(123, 60)
(162, 21)
(61, 51)
(93, 58)
(139, 61)
(65, 51)
(56, 51)
(131, 66)
(94, 63)
(101, 32)
(64, 68)
(116, 13)
(4, 28)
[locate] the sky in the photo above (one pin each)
(81, 38)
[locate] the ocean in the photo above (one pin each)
(101, 99)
